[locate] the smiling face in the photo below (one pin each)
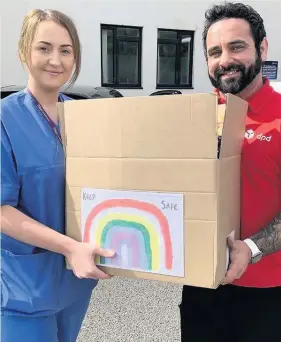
(232, 58)
(51, 60)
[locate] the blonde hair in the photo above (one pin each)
(30, 23)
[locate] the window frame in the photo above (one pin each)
(116, 39)
(178, 43)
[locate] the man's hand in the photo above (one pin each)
(81, 258)
(240, 256)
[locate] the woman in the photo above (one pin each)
(41, 300)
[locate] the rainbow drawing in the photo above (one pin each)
(135, 228)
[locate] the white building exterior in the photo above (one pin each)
(148, 14)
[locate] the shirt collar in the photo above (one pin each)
(257, 100)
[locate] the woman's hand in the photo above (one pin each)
(81, 258)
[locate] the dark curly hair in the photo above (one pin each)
(239, 11)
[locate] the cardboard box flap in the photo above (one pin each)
(91, 129)
(170, 127)
(228, 206)
(233, 130)
(163, 127)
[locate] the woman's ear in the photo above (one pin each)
(264, 49)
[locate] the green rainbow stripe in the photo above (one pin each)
(129, 224)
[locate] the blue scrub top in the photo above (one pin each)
(34, 281)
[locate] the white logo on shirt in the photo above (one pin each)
(249, 134)
(264, 138)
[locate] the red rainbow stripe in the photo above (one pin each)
(130, 203)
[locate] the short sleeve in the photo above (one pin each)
(10, 184)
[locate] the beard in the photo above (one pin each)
(235, 85)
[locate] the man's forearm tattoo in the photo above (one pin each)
(268, 239)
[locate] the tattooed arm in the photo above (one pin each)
(268, 239)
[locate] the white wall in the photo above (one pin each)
(149, 14)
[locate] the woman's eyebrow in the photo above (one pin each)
(48, 43)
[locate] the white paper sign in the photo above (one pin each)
(145, 229)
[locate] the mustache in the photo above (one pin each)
(220, 71)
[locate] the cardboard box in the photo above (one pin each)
(165, 144)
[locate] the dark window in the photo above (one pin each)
(174, 58)
(121, 56)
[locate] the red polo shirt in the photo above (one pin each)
(261, 180)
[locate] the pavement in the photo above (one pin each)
(125, 310)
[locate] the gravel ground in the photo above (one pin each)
(124, 309)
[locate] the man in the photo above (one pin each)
(247, 306)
